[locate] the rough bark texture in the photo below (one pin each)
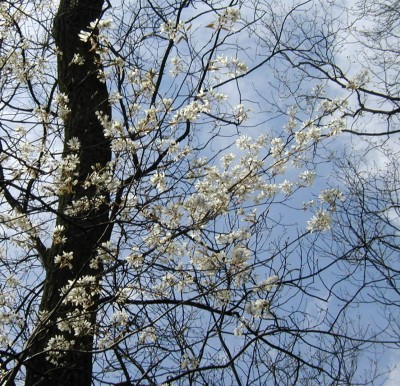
(86, 231)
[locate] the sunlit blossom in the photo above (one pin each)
(321, 221)
(56, 348)
(64, 260)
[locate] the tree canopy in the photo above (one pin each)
(199, 192)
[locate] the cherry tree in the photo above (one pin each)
(156, 210)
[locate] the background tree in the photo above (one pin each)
(152, 195)
(367, 229)
(349, 53)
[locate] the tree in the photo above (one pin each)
(350, 54)
(147, 200)
(367, 228)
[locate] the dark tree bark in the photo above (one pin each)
(85, 231)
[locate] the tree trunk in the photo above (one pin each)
(85, 231)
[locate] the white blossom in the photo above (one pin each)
(100, 24)
(301, 137)
(331, 196)
(64, 260)
(238, 330)
(189, 362)
(359, 80)
(81, 291)
(308, 204)
(78, 59)
(314, 133)
(135, 259)
(171, 28)
(321, 221)
(286, 187)
(277, 146)
(66, 180)
(307, 177)
(114, 97)
(147, 335)
(240, 113)
(74, 144)
(258, 308)
(105, 253)
(56, 347)
(76, 322)
(84, 36)
(158, 180)
(268, 283)
(63, 109)
(223, 296)
(267, 191)
(329, 106)
(177, 66)
(336, 126)
(226, 19)
(120, 318)
(244, 142)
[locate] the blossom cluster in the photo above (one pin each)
(80, 292)
(56, 348)
(359, 80)
(259, 308)
(172, 28)
(67, 174)
(63, 109)
(75, 322)
(9, 315)
(191, 112)
(226, 19)
(331, 197)
(322, 219)
(107, 252)
(64, 260)
(95, 36)
(230, 66)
